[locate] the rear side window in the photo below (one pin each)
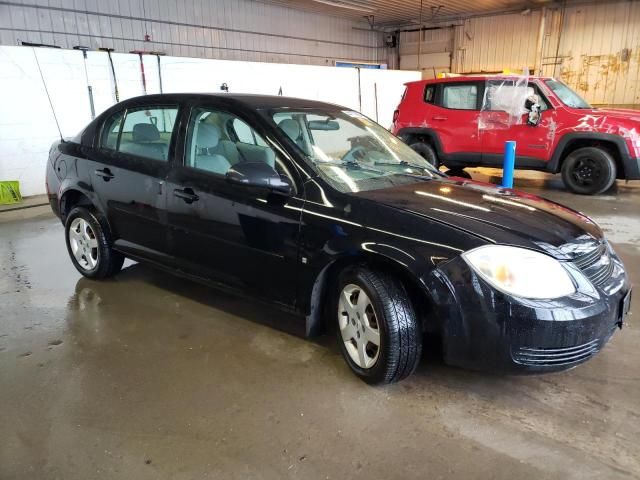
(430, 94)
(111, 131)
(460, 97)
(143, 132)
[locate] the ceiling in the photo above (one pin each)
(389, 13)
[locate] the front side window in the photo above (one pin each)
(566, 95)
(510, 96)
(217, 140)
(145, 132)
(460, 97)
(350, 151)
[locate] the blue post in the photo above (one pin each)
(509, 163)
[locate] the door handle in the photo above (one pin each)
(440, 118)
(105, 173)
(187, 194)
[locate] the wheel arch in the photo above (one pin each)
(73, 197)
(613, 144)
(316, 319)
(411, 135)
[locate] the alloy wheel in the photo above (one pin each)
(586, 171)
(359, 326)
(83, 243)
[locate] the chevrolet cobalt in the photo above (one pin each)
(321, 211)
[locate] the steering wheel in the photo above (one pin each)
(352, 155)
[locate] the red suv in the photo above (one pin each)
(451, 122)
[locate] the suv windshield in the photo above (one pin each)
(566, 95)
(350, 151)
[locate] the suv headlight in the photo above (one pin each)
(521, 272)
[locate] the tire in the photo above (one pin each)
(458, 172)
(589, 171)
(385, 308)
(426, 151)
(89, 244)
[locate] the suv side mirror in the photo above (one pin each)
(532, 105)
(259, 174)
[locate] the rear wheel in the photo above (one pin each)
(589, 171)
(89, 244)
(378, 331)
(427, 152)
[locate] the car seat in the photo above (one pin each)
(207, 144)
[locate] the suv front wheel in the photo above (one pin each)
(426, 151)
(589, 171)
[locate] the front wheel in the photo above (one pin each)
(89, 244)
(589, 171)
(378, 331)
(426, 152)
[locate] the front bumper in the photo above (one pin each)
(484, 329)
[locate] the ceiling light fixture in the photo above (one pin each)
(348, 5)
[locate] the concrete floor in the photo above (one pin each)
(149, 377)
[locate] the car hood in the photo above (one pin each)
(622, 114)
(497, 215)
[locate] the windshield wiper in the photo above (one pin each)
(404, 163)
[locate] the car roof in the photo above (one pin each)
(473, 78)
(251, 101)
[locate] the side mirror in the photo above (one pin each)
(532, 105)
(259, 174)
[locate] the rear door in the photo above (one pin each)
(128, 168)
(533, 143)
(454, 115)
(239, 236)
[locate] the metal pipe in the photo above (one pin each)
(540, 42)
(420, 38)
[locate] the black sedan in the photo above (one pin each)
(322, 211)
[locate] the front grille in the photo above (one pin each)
(597, 264)
(555, 357)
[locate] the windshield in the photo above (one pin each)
(566, 95)
(350, 151)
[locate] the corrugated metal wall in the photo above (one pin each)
(491, 44)
(595, 48)
(222, 29)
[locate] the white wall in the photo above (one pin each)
(225, 29)
(27, 126)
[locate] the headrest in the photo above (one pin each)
(145, 132)
(207, 136)
(291, 128)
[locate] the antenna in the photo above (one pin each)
(48, 96)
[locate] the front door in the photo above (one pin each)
(128, 169)
(533, 143)
(240, 236)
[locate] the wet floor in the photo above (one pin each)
(149, 376)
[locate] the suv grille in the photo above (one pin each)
(596, 264)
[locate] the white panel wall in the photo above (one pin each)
(27, 126)
(224, 29)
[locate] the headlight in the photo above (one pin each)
(521, 272)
